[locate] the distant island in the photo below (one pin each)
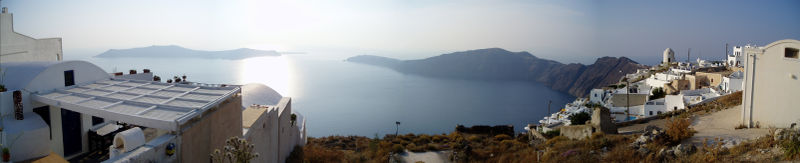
(500, 64)
(174, 51)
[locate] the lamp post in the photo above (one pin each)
(397, 129)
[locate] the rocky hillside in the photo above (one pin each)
(500, 64)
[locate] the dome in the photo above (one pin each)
(255, 93)
(668, 50)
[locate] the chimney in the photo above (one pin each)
(132, 72)
(118, 74)
(146, 71)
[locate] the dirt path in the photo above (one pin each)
(637, 128)
(427, 157)
(722, 124)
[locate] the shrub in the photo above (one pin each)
(236, 150)
(791, 148)
(501, 137)
(474, 138)
(315, 153)
(579, 118)
(296, 156)
(658, 93)
(397, 148)
(552, 133)
(713, 152)
(622, 153)
(678, 129)
(740, 126)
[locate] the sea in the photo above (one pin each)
(344, 98)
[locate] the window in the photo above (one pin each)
(659, 112)
(651, 112)
(791, 53)
(676, 108)
(69, 78)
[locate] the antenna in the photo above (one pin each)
(689, 56)
(548, 106)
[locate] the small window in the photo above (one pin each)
(651, 112)
(659, 112)
(69, 78)
(790, 53)
(676, 108)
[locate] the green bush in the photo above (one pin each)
(658, 93)
(579, 118)
(791, 149)
(552, 133)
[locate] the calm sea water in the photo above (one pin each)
(343, 98)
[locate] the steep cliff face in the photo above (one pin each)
(500, 64)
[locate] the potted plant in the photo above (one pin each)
(293, 118)
(6, 155)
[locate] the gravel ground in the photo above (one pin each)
(722, 124)
(427, 157)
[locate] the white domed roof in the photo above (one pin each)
(256, 93)
(668, 51)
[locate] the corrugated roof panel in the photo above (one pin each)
(151, 99)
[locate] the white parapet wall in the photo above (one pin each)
(16, 47)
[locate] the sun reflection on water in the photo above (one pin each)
(274, 72)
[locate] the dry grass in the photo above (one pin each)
(678, 130)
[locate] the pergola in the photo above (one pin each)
(150, 104)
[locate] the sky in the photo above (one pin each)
(566, 31)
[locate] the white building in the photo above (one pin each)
(653, 108)
(771, 84)
(15, 47)
(733, 82)
(736, 58)
(674, 102)
(65, 109)
(70, 107)
(599, 96)
(661, 78)
(669, 56)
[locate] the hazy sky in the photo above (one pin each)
(571, 31)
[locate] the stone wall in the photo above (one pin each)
(578, 132)
(211, 130)
(601, 119)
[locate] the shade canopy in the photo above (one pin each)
(150, 104)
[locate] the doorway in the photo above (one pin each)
(71, 132)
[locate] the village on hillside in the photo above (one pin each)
(673, 85)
